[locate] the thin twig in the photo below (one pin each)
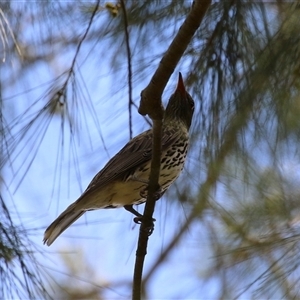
(71, 71)
(130, 102)
(151, 105)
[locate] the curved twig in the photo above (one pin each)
(71, 71)
(130, 102)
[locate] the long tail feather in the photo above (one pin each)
(63, 221)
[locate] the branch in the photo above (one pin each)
(151, 104)
(71, 70)
(148, 211)
(130, 102)
(151, 95)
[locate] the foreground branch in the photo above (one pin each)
(151, 105)
(148, 211)
(151, 95)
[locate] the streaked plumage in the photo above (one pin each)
(123, 180)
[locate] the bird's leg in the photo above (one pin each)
(139, 217)
(143, 193)
(133, 211)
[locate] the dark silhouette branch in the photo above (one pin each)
(151, 105)
(151, 95)
(148, 211)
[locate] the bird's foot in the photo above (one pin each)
(149, 229)
(139, 218)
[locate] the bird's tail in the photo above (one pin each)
(63, 221)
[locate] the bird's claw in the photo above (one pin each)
(138, 220)
(149, 229)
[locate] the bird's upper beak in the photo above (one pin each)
(180, 86)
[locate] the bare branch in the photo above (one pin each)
(151, 105)
(151, 95)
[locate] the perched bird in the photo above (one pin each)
(123, 180)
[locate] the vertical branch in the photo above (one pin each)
(151, 104)
(148, 211)
(130, 102)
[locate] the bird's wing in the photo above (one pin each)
(134, 154)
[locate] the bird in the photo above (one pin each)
(124, 179)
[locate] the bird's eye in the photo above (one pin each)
(191, 102)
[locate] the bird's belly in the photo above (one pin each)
(129, 191)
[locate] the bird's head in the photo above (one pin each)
(181, 105)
